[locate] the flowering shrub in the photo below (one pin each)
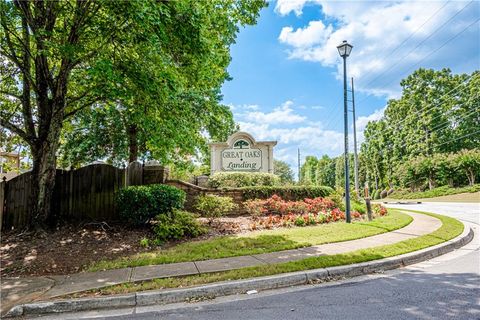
(379, 210)
(275, 212)
(255, 207)
(213, 206)
(276, 205)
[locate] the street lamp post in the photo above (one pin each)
(344, 50)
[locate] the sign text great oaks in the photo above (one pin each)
(242, 153)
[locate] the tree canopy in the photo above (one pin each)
(283, 170)
(438, 113)
(428, 137)
(74, 74)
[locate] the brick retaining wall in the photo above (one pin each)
(193, 191)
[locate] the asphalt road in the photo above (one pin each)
(447, 287)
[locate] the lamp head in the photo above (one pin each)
(344, 49)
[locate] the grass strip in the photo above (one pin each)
(436, 192)
(261, 242)
(450, 229)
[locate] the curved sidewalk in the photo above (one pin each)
(16, 291)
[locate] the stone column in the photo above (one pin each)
(270, 159)
(154, 173)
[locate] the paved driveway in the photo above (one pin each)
(447, 287)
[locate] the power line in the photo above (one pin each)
(434, 130)
(333, 114)
(413, 33)
(410, 36)
(422, 42)
(457, 119)
(467, 135)
(426, 108)
(434, 51)
(450, 111)
(452, 140)
(429, 107)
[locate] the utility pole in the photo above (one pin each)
(355, 159)
(298, 165)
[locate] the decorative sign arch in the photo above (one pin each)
(242, 153)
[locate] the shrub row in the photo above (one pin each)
(161, 206)
(288, 192)
(139, 204)
(275, 212)
(276, 205)
(440, 169)
(242, 179)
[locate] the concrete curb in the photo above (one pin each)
(241, 286)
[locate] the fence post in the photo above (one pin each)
(3, 187)
(134, 174)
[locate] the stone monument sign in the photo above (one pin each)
(242, 153)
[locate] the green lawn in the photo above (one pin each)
(261, 242)
(473, 197)
(436, 192)
(450, 229)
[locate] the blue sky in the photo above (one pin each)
(287, 75)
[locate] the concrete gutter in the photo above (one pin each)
(402, 202)
(241, 286)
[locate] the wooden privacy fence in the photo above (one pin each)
(85, 193)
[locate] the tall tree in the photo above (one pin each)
(325, 173)
(340, 172)
(283, 170)
(158, 122)
(60, 58)
(308, 170)
(437, 114)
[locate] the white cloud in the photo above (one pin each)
(330, 8)
(362, 122)
(284, 7)
(251, 107)
(282, 114)
(376, 29)
(276, 125)
(310, 137)
(315, 33)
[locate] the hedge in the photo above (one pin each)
(242, 179)
(286, 192)
(139, 204)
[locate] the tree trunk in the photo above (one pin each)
(431, 183)
(471, 177)
(132, 143)
(43, 173)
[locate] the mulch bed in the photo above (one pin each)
(71, 248)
